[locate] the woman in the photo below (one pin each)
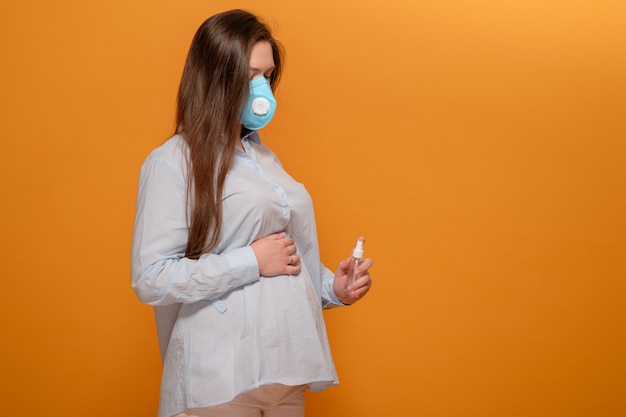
(225, 243)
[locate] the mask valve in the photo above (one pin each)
(260, 106)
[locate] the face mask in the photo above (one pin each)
(260, 107)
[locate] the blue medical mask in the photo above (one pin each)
(260, 107)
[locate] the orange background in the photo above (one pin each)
(479, 146)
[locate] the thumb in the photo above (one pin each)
(344, 265)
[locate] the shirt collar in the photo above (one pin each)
(252, 135)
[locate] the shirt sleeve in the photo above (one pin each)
(329, 298)
(161, 275)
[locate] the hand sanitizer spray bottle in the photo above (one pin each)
(355, 260)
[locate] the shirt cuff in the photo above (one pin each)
(330, 300)
(243, 265)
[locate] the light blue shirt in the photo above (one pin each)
(222, 328)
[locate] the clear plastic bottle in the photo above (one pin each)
(355, 260)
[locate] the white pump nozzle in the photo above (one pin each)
(358, 249)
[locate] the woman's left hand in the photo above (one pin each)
(358, 288)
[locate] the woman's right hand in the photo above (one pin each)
(276, 255)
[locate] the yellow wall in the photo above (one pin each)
(479, 145)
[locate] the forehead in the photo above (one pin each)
(261, 56)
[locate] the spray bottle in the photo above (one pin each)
(355, 261)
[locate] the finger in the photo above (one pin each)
(293, 269)
(358, 293)
(277, 236)
(366, 264)
(343, 265)
(362, 282)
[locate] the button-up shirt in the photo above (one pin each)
(223, 329)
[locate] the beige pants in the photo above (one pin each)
(265, 401)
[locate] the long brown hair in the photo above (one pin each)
(213, 88)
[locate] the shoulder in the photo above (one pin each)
(175, 149)
(170, 155)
